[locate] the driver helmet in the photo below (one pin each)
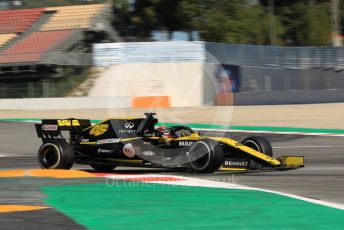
(164, 131)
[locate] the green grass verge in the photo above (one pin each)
(136, 205)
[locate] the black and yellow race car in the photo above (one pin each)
(138, 142)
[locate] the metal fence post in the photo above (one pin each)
(45, 88)
(30, 90)
(3, 90)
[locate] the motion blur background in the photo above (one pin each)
(152, 53)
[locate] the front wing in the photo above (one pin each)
(238, 164)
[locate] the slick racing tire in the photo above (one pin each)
(102, 167)
(260, 144)
(56, 154)
(206, 156)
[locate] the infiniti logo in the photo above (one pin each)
(129, 125)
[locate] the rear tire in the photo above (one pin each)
(56, 154)
(102, 167)
(206, 156)
(260, 144)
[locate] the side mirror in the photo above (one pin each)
(148, 115)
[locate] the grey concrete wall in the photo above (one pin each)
(272, 86)
(289, 97)
(276, 79)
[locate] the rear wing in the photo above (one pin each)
(51, 128)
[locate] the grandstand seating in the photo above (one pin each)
(4, 38)
(71, 17)
(15, 21)
(32, 47)
(57, 25)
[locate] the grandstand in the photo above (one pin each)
(40, 30)
(17, 21)
(51, 35)
(78, 17)
(4, 38)
(32, 47)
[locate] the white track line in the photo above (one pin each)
(9, 155)
(273, 132)
(307, 146)
(320, 202)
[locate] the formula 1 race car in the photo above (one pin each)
(138, 142)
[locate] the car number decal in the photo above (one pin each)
(99, 129)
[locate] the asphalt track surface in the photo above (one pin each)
(321, 179)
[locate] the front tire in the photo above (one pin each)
(260, 144)
(206, 156)
(56, 154)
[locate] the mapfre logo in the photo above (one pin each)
(185, 143)
(129, 125)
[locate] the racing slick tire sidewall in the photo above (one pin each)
(102, 167)
(212, 159)
(259, 143)
(56, 154)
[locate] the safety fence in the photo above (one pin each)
(277, 56)
(241, 55)
(148, 52)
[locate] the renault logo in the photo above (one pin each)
(129, 125)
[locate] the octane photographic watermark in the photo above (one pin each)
(111, 182)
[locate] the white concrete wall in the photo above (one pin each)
(65, 103)
(183, 82)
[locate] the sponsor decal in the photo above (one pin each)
(68, 123)
(234, 163)
(105, 151)
(148, 153)
(99, 129)
(129, 125)
(127, 131)
(185, 143)
(108, 141)
(49, 127)
(129, 150)
(129, 128)
(84, 140)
